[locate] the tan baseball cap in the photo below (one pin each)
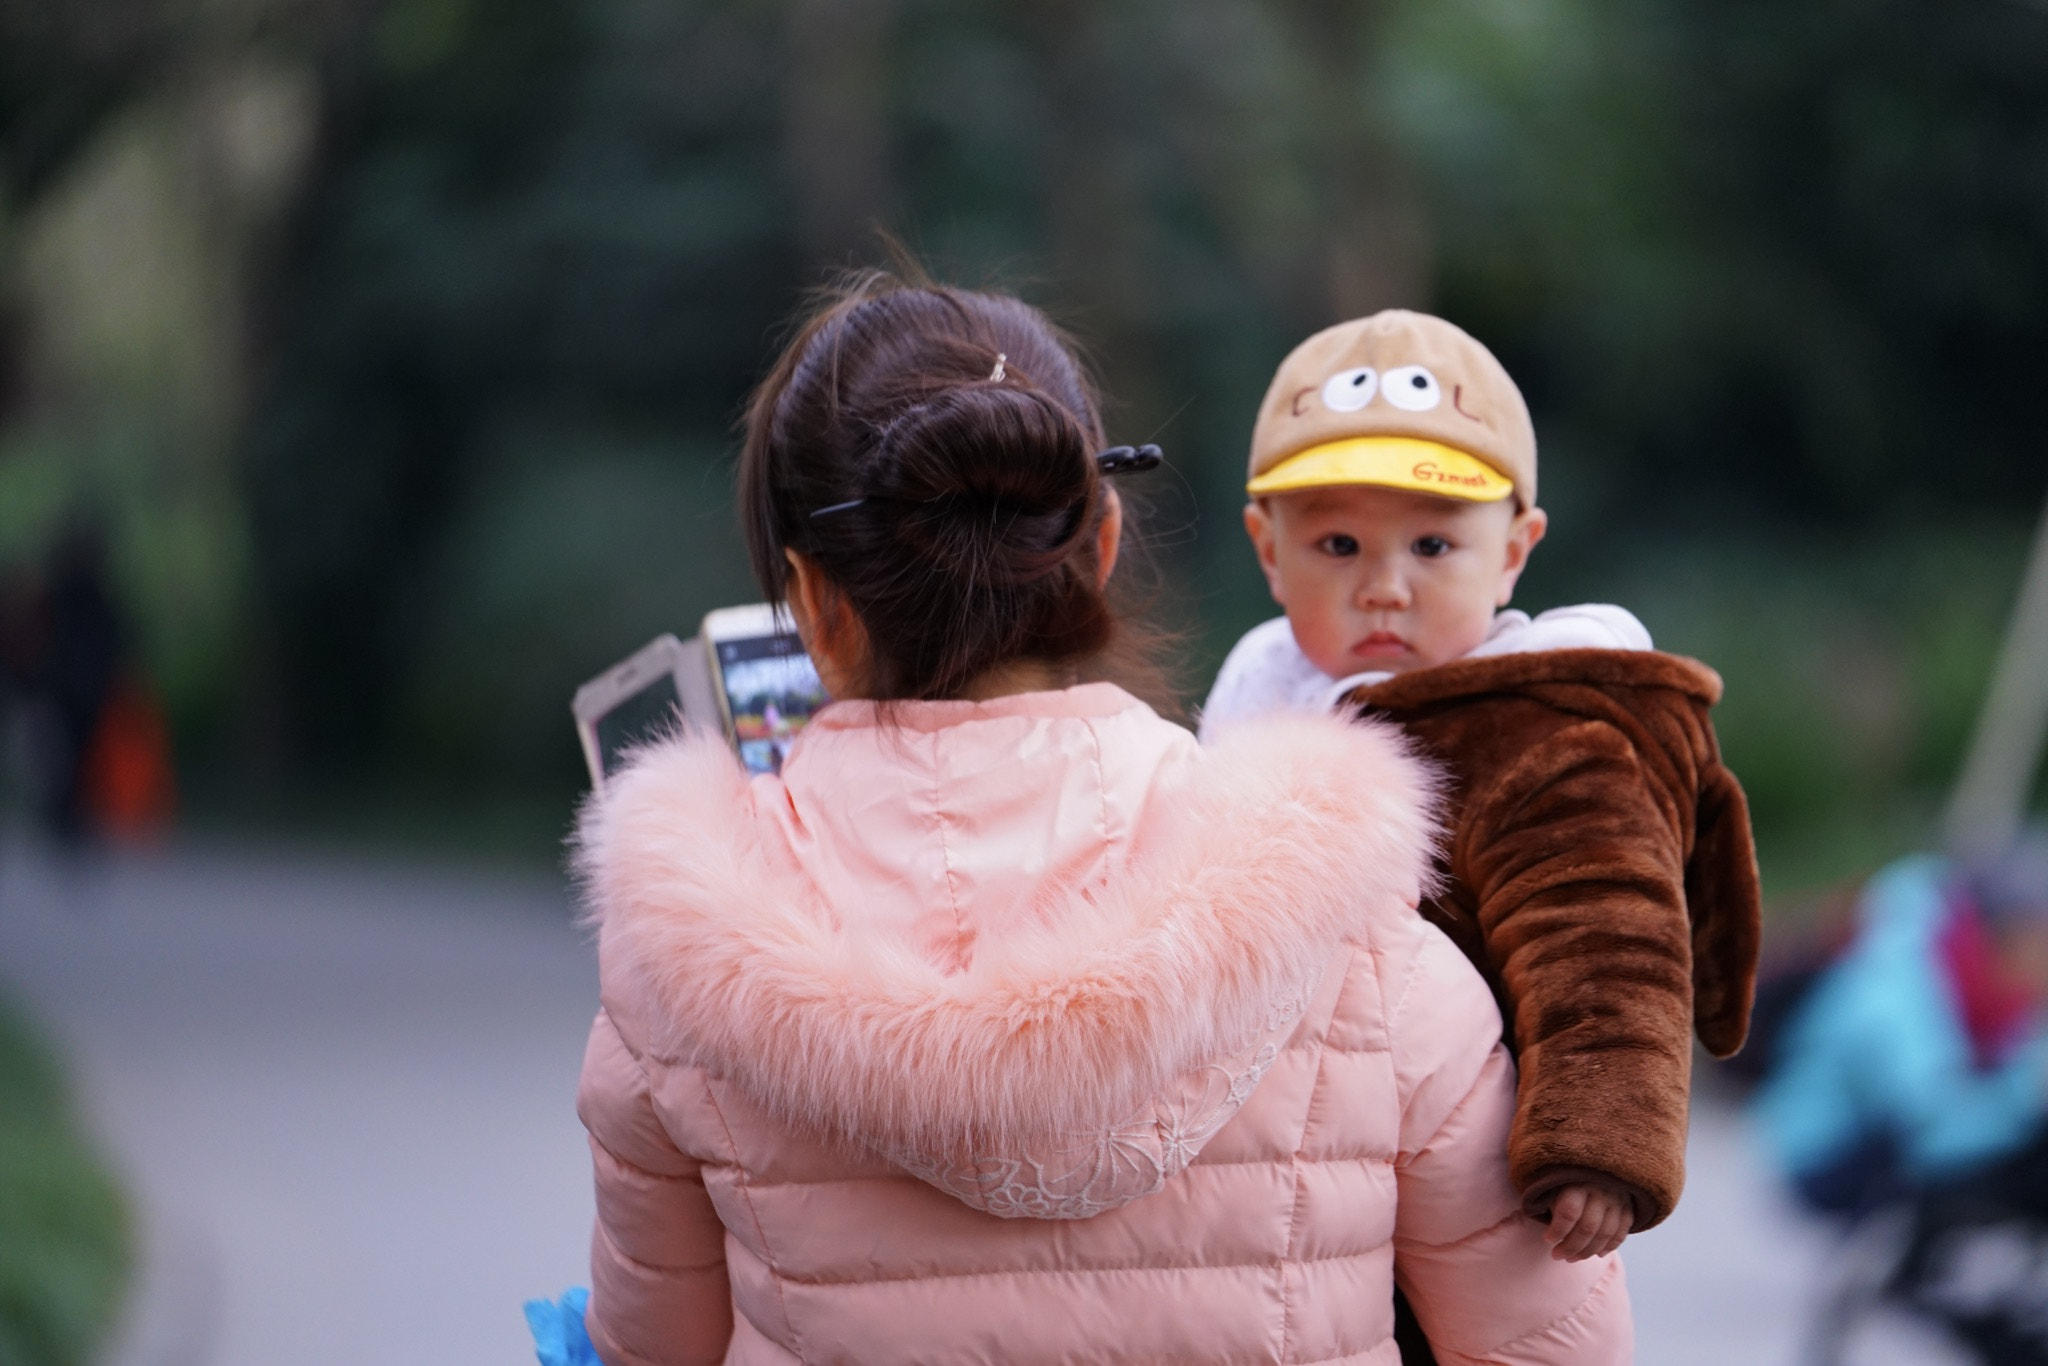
(1400, 399)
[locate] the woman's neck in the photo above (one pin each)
(1018, 676)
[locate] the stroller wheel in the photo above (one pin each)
(1989, 1282)
(1864, 1267)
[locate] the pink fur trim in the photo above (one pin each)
(1284, 841)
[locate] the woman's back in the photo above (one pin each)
(1181, 1073)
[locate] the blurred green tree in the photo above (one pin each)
(1771, 273)
(66, 1236)
(149, 153)
(555, 252)
(1776, 279)
(1792, 255)
(541, 272)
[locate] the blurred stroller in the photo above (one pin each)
(1908, 1097)
(1906, 1075)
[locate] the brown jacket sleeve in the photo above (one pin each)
(1573, 853)
(1727, 909)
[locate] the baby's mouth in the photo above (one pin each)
(1380, 645)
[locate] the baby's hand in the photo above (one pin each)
(1588, 1220)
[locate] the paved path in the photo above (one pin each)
(343, 1094)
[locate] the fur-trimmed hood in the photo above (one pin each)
(966, 929)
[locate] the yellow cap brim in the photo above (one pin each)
(1395, 462)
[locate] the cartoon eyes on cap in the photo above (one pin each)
(1349, 390)
(1413, 389)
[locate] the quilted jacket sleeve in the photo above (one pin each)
(659, 1293)
(1474, 1267)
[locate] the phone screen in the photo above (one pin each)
(772, 690)
(636, 719)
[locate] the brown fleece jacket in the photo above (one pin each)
(1601, 876)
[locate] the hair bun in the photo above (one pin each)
(997, 471)
(990, 440)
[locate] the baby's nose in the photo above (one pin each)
(1382, 586)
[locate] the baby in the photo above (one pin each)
(1599, 870)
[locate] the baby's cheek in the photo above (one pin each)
(1320, 632)
(1451, 627)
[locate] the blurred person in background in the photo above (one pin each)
(21, 626)
(1914, 1077)
(1921, 1053)
(91, 737)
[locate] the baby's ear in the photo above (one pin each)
(1258, 524)
(1524, 534)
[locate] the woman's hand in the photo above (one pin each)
(1588, 1220)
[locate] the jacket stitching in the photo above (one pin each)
(656, 1267)
(1402, 1240)
(1577, 1311)
(741, 1184)
(640, 1062)
(1294, 1167)
(1101, 786)
(1147, 1269)
(647, 1173)
(1355, 1160)
(946, 852)
(1400, 1002)
(613, 1350)
(1393, 1017)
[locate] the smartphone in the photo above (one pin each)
(662, 685)
(764, 683)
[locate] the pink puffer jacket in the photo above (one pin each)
(1028, 1031)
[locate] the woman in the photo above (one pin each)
(1006, 1024)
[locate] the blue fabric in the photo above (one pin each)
(1879, 1051)
(558, 1336)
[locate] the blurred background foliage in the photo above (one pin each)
(65, 1236)
(397, 345)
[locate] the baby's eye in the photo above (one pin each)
(1429, 547)
(1338, 545)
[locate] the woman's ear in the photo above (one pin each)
(832, 635)
(1109, 537)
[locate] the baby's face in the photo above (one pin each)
(1382, 579)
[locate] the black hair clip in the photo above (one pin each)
(1129, 459)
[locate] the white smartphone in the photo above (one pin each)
(765, 685)
(663, 684)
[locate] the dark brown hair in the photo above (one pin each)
(933, 451)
